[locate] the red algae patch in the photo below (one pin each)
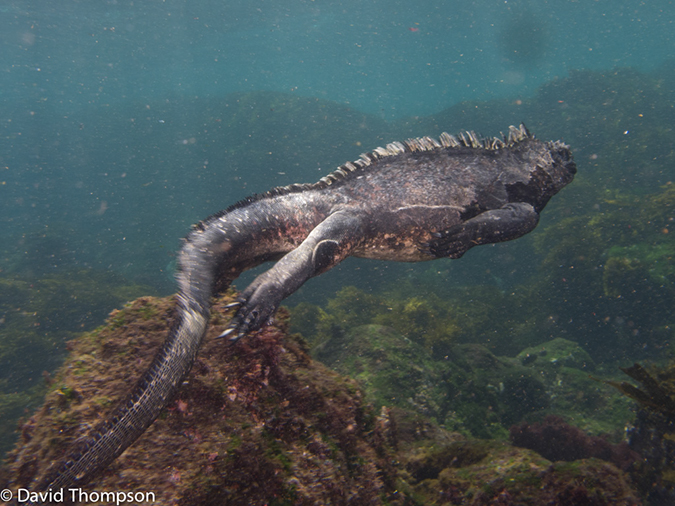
(254, 423)
(261, 423)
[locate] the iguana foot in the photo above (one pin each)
(256, 305)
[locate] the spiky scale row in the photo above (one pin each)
(419, 144)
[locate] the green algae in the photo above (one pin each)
(286, 422)
(37, 318)
(423, 320)
(488, 472)
(468, 389)
(619, 262)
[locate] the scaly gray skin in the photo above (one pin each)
(413, 201)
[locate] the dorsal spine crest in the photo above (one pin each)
(468, 139)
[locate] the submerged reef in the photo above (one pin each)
(263, 423)
(37, 316)
(393, 345)
(488, 473)
(610, 274)
(557, 440)
(255, 423)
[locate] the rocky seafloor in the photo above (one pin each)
(262, 423)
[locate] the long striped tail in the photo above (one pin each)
(159, 383)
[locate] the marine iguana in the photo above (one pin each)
(413, 201)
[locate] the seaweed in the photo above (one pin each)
(263, 423)
(658, 393)
(37, 318)
(258, 413)
(402, 358)
(653, 430)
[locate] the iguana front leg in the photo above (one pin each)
(508, 222)
(325, 247)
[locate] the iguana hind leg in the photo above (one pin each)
(326, 246)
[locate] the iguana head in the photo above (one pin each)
(547, 167)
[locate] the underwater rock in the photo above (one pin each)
(255, 423)
(487, 473)
(486, 394)
(470, 390)
(557, 353)
(390, 343)
(427, 320)
(556, 440)
(563, 367)
(391, 369)
(262, 423)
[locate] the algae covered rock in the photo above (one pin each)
(391, 369)
(557, 440)
(386, 343)
(426, 320)
(262, 423)
(256, 423)
(555, 354)
(37, 316)
(485, 394)
(568, 374)
(469, 390)
(478, 473)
